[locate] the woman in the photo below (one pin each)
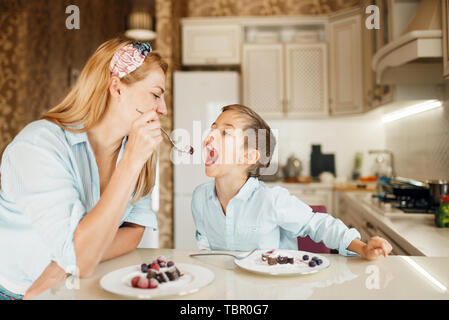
(76, 184)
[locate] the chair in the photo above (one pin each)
(307, 244)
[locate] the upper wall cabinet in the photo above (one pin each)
(297, 66)
(286, 80)
(211, 44)
(263, 78)
(306, 79)
(346, 65)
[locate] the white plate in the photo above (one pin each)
(254, 263)
(195, 277)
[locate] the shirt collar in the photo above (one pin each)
(76, 137)
(244, 193)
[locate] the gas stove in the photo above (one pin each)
(405, 197)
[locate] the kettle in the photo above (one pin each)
(292, 168)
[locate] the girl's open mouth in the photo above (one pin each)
(211, 155)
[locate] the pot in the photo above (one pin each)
(438, 189)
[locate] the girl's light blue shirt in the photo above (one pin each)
(265, 218)
(49, 181)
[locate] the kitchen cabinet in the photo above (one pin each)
(286, 80)
(263, 78)
(205, 44)
(445, 30)
(383, 93)
(306, 79)
(346, 65)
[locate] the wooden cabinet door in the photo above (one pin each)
(263, 78)
(346, 65)
(306, 79)
(211, 45)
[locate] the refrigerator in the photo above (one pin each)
(198, 97)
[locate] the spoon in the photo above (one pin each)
(185, 150)
(240, 257)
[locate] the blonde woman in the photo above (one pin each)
(76, 183)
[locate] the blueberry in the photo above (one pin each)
(144, 268)
(305, 257)
(319, 261)
(315, 258)
(312, 263)
(170, 264)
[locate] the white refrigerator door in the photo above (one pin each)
(198, 99)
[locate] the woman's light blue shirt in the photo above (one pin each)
(49, 181)
(265, 218)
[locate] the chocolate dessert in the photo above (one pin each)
(273, 258)
(159, 271)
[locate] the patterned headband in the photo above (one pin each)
(129, 58)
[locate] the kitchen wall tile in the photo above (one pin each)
(421, 144)
(341, 136)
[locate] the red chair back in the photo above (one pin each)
(307, 244)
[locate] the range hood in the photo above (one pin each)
(415, 57)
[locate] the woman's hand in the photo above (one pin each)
(144, 138)
(375, 248)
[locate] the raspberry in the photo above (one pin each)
(155, 266)
(134, 281)
(161, 259)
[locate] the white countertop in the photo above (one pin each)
(394, 277)
(417, 231)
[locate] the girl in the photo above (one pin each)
(76, 184)
(236, 211)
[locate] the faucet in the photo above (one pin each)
(390, 153)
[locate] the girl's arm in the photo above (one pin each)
(296, 217)
(375, 248)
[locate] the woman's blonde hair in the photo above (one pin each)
(87, 101)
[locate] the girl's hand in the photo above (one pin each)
(144, 138)
(375, 248)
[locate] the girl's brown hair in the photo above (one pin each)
(257, 124)
(87, 101)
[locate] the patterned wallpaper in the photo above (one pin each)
(168, 15)
(212, 8)
(37, 51)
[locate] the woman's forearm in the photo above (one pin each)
(126, 240)
(98, 228)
